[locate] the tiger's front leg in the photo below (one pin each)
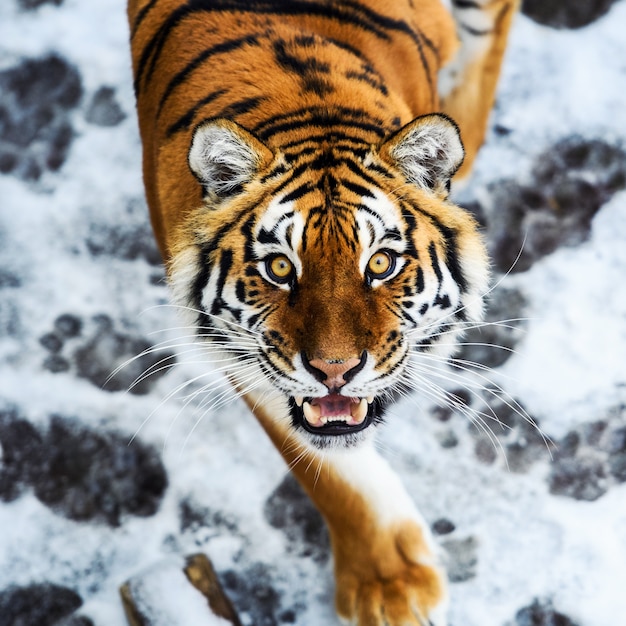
(385, 561)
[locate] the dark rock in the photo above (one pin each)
(462, 558)
(541, 614)
(251, 593)
(493, 343)
(39, 604)
(443, 526)
(22, 450)
(99, 358)
(80, 473)
(447, 439)
(51, 342)
(35, 132)
(502, 131)
(289, 509)
(29, 5)
(503, 425)
(56, 364)
(476, 209)
(461, 397)
(76, 620)
(617, 466)
(84, 474)
(194, 517)
(581, 478)
(128, 243)
(442, 413)
(559, 14)
(616, 440)
(485, 450)
(593, 432)
(569, 183)
(104, 109)
(68, 325)
(8, 279)
(568, 446)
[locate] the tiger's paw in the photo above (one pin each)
(393, 580)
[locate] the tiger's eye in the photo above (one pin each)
(381, 265)
(279, 268)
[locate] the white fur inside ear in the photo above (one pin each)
(221, 159)
(429, 152)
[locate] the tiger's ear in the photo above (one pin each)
(428, 151)
(224, 157)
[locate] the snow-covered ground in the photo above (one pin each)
(80, 292)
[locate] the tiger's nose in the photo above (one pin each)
(334, 373)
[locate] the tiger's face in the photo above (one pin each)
(323, 273)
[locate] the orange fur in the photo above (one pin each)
(328, 110)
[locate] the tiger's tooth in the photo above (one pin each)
(299, 400)
(324, 420)
(360, 412)
(311, 413)
(370, 399)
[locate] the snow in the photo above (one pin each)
(569, 370)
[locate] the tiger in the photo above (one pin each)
(297, 160)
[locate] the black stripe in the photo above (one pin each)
(359, 190)
(379, 169)
(154, 46)
(267, 236)
(297, 193)
(342, 142)
(221, 48)
(185, 121)
(202, 277)
(298, 66)
(475, 31)
(434, 259)
(361, 173)
(239, 108)
(317, 116)
(466, 4)
(226, 262)
(240, 290)
(452, 258)
(280, 168)
(419, 280)
(230, 111)
(141, 16)
(364, 77)
(253, 319)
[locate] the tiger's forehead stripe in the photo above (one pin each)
(319, 117)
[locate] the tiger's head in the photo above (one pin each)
(322, 268)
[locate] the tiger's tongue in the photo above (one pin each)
(334, 407)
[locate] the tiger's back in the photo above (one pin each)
(277, 68)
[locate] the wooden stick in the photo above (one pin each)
(163, 593)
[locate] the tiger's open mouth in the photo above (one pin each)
(333, 414)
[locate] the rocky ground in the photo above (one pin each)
(529, 512)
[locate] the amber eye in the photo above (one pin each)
(381, 265)
(279, 268)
